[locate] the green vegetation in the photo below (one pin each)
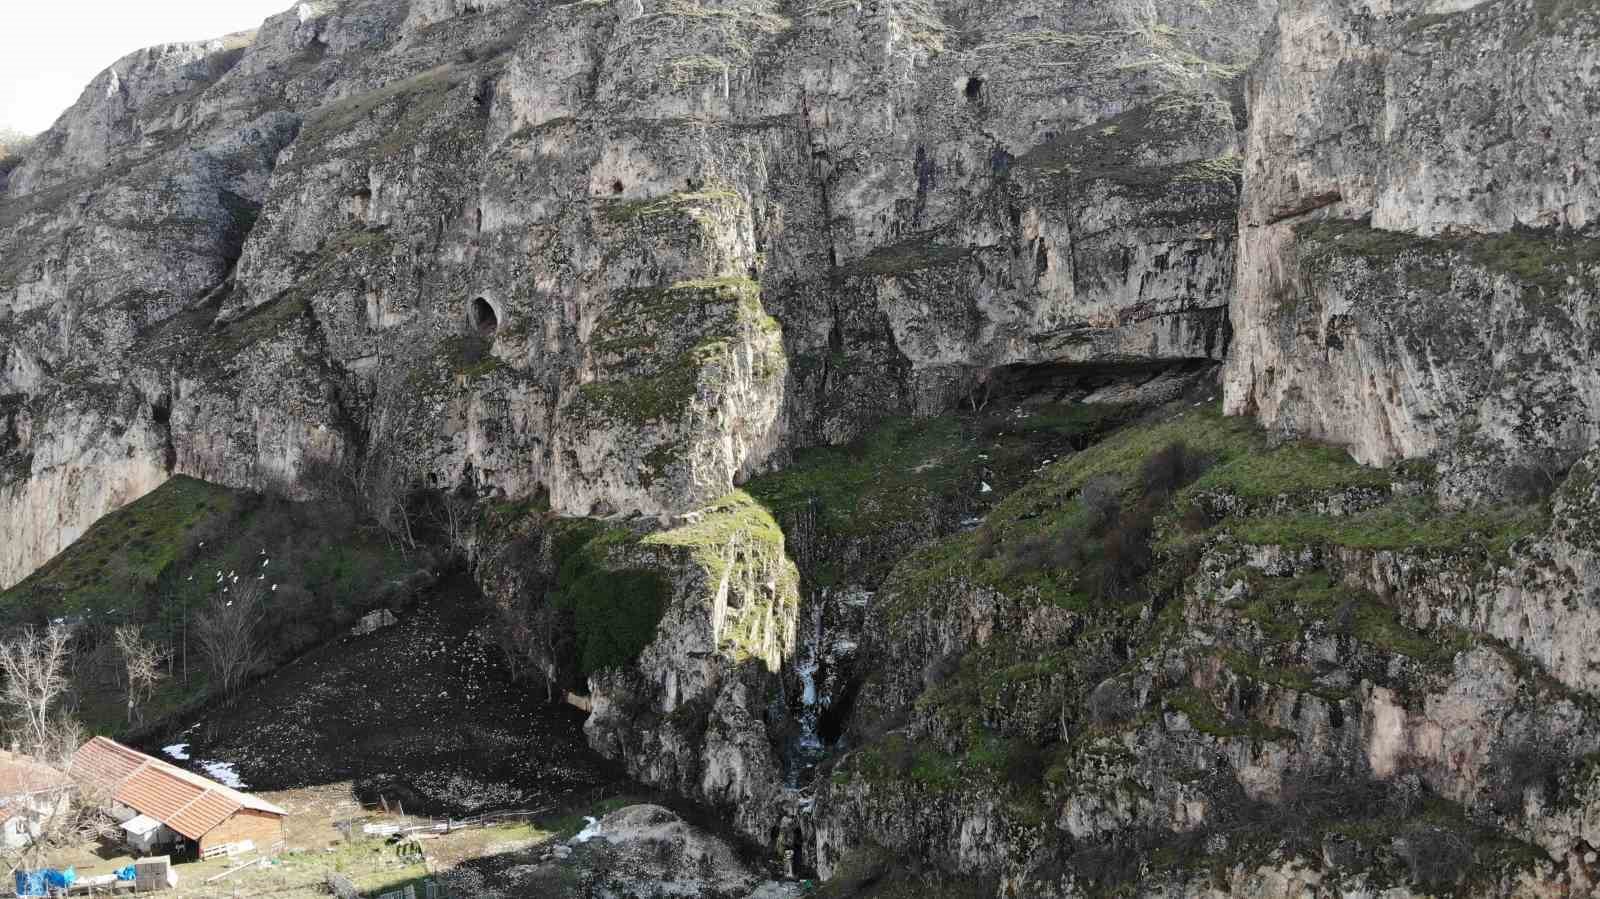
(736, 539)
(1204, 717)
(470, 355)
(878, 493)
(1416, 523)
(164, 551)
(125, 553)
(1545, 261)
(155, 563)
(1298, 468)
(615, 612)
(883, 479)
(690, 327)
(908, 256)
(1286, 607)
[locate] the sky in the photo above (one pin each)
(51, 49)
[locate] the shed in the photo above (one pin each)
(183, 805)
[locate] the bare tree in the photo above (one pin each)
(60, 814)
(452, 515)
(142, 661)
(226, 631)
(35, 667)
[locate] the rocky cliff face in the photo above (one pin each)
(680, 238)
(627, 269)
(1417, 249)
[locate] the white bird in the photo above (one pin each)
(261, 577)
(264, 562)
(202, 543)
(274, 588)
(191, 577)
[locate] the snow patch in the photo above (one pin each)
(223, 773)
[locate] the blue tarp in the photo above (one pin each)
(30, 883)
(39, 883)
(127, 873)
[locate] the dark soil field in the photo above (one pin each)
(422, 713)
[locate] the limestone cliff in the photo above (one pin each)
(619, 207)
(835, 382)
(1417, 251)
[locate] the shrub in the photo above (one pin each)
(1032, 554)
(1125, 556)
(985, 545)
(616, 616)
(1435, 856)
(1170, 468)
(1101, 499)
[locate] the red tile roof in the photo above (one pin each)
(184, 801)
(21, 775)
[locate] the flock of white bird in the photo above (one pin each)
(233, 576)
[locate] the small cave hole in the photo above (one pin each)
(616, 186)
(479, 225)
(483, 318)
(974, 89)
(360, 201)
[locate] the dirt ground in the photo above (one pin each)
(421, 714)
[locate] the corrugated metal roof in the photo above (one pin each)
(184, 801)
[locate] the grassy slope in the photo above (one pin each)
(1245, 465)
(154, 563)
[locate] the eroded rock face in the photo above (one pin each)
(622, 255)
(1417, 255)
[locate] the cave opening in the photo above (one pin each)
(483, 318)
(616, 186)
(359, 203)
(974, 89)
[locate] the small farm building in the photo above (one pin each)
(160, 804)
(31, 793)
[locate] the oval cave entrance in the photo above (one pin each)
(483, 318)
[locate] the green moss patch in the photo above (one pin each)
(660, 342)
(125, 553)
(1550, 262)
(1416, 524)
(1286, 607)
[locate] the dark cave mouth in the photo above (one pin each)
(483, 318)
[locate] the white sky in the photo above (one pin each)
(51, 49)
